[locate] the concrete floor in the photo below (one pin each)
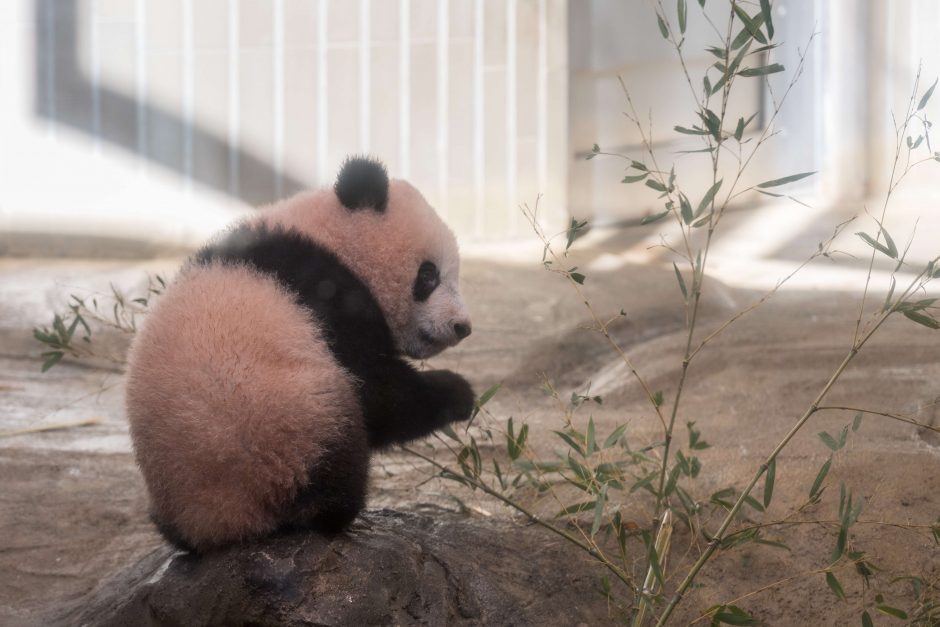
(74, 509)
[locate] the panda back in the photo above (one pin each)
(233, 395)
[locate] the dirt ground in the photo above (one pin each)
(74, 509)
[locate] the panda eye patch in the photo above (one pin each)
(426, 282)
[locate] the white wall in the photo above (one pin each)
(160, 120)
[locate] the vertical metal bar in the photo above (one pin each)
(95, 71)
(365, 70)
(278, 70)
(443, 118)
(511, 116)
(189, 91)
(140, 42)
(323, 137)
(404, 87)
(49, 44)
(479, 120)
(234, 112)
(542, 99)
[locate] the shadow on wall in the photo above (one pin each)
(66, 95)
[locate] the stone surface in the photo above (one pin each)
(391, 568)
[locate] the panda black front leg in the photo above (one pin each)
(454, 395)
(402, 404)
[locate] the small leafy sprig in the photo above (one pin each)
(72, 330)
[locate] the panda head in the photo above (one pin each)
(388, 235)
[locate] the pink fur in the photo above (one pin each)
(232, 397)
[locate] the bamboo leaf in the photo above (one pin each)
(712, 122)
(834, 585)
(926, 96)
(764, 70)
(614, 437)
(708, 198)
(691, 152)
(875, 244)
(573, 231)
(449, 432)
(655, 217)
(750, 500)
(51, 359)
(634, 179)
(499, 474)
(599, 511)
(591, 442)
(570, 441)
(59, 327)
(579, 469)
(735, 616)
(718, 52)
(654, 563)
(681, 10)
(820, 477)
(662, 26)
(673, 479)
(721, 83)
(523, 435)
(513, 448)
(43, 336)
(736, 62)
(685, 292)
(577, 508)
(892, 611)
(829, 441)
(778, 545)
(922, 319)
(751, 24)
(690, 131)
(658, 398)
(787, 179)
(892, 247)
(686, 209)
(769, 479)
(768, 18)
(483, 400)
(654, 184)
(686, 500)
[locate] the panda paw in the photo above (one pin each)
(456, 395)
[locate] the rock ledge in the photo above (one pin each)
(391, 568)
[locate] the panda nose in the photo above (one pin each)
(462, 329)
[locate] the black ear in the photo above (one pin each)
(362, 184)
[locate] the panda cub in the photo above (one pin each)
(274, 363)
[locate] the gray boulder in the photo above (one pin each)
(390, 568)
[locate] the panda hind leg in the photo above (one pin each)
(337, 487)
(171, 534)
